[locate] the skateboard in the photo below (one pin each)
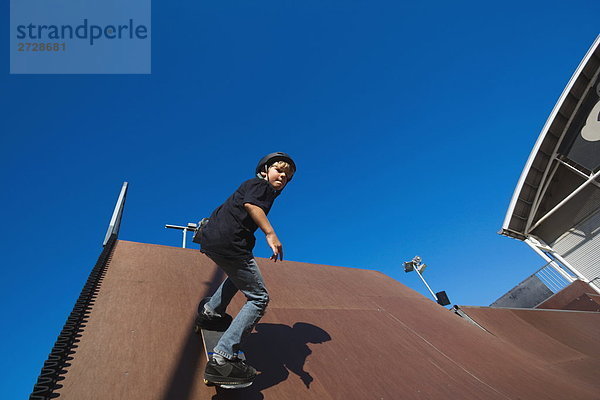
(210, 340)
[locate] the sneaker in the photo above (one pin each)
(204, 321)
(219, 324)
(231, 372)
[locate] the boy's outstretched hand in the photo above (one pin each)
(275, 245)
(260, 218)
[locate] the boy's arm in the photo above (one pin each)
(260, 218)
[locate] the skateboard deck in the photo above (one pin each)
(210, 340)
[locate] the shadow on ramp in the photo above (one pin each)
(188, 368)
(275, 350)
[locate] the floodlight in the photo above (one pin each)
(416, 265)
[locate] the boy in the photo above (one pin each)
(228, 239)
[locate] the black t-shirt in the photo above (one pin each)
(230, 229)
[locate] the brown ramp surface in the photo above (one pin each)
(329, 333)
(578, 295)
(567, 341)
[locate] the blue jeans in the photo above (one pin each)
(243, 275)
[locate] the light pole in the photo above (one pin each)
(416, 265)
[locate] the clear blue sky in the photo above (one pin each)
(410, 125)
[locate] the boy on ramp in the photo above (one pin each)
(228, 239)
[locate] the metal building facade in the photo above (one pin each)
(580, 247)
(555, 208)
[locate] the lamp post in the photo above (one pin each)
(416, 265)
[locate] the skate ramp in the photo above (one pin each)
(565, 341)
(578, 295)
(329, 333)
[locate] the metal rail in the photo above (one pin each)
(115, 221)
(190, 227)
(566, 199)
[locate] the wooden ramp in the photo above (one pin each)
(329, 333)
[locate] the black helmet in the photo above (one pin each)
(269, 159)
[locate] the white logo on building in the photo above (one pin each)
(591, 129)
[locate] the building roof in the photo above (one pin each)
(329, 333)
(549, 164)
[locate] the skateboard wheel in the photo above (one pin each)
(236, 386)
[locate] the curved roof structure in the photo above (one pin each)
(559, 186)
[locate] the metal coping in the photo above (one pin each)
(115, 221)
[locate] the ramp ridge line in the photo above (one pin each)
(446, 356)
